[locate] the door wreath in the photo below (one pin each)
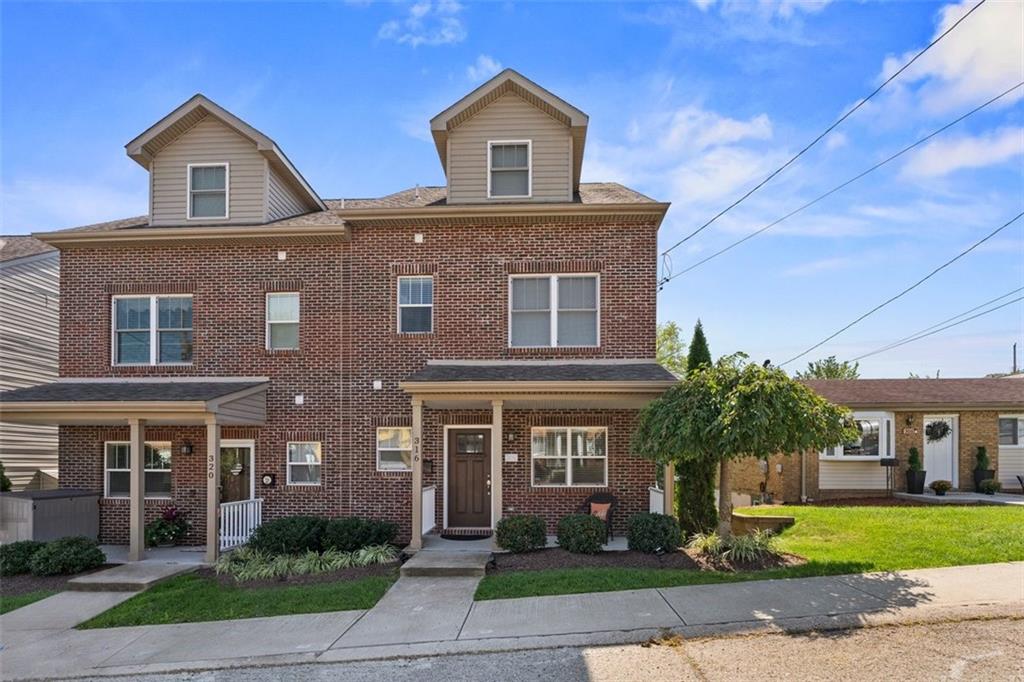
(936, 431)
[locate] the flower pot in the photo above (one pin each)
(915, 482)
(981, 475)
(167, 544)
(940, 493)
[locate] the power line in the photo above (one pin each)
(826, 132)
(666, 280)
(913, 286)
(948, 326)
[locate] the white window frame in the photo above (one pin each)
(886, 440)
(107, 470)
(553, 307)
(400, 305)
(227, 190)
(267, 323)
(154, 331)
(379, 448)
(529, 169)
(1020, 441)
(568, 457)
(289, 464)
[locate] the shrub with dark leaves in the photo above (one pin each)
(653, 533)
(289, 535)
(581, 534)
(522, 533)
(349, 534)
(66, 556)
(16, 557)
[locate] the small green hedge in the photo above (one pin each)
(653, 533)
(581, 534)
(349, 534)
(66, 556)
(16, 557)
(289, 535)
(521, 533)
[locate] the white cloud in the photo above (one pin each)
(767, 8)
(483, 68)
(696, 128)
(427, 23)
(836, 140)
(943, 157)
(42, 204)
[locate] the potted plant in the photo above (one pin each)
(940, 487)
(168, 530)
(915, 473)
(982, 471)
(990, 486)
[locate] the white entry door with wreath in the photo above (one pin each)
(940, 448)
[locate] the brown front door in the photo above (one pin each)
(469, 478)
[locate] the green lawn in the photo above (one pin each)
(16, 601)
(191, 599)
(835, 540)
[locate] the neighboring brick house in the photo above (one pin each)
(441, 356)
(893, 415)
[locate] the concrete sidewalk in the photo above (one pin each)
(432, 616)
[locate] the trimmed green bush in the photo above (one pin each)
(914, 460)
(66, 556)
(990, 486)
(650, 533)
(523, 533)
(349, 534)
(581, 534)
(289, 535)
(16, 557)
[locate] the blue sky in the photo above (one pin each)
(689, 102)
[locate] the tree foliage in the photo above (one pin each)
(830, 368)
(695, 488)
(671, 351)
(699, 354)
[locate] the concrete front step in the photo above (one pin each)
(135, 576)
(431, 563)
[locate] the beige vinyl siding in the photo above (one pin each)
(510, 118)
(851, 475)
(29, 333)
(252, 408)
(1011, 465)
(282, 200)
(209, 141)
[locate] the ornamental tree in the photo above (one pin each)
(830, 368)
(732, 410)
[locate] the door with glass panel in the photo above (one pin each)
(236, 471)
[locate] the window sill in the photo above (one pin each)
(401, 335)
(539, 350)
(850, 459)
(281, 351)
(549, 488)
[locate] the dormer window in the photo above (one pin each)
(509, 172)
(207, 190)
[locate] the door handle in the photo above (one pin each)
(488, 485)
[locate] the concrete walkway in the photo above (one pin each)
(424, 616)
(997, 499)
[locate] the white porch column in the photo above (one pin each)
(670, 490)
(212, 488)
(497, 446)
(417, 475)
(137, 491)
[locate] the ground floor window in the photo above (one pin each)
(874, 441)
(304, 463)
(569, 456)
(394, 448)
(156, 462)
(1011, 429)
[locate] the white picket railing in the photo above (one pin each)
(429, 508)
(657, 500)
(238, 520)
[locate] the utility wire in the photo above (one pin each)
(913, 286)
(826, 132)
(954, 324)
(716, 254)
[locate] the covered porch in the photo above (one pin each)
(139, 404)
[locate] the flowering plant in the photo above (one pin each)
(169, 529)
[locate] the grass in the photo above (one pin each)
(834, 540)
(192, 599)
(16, 601)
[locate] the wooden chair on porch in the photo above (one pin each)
(601, 505)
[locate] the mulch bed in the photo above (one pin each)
(344, 575)
(684, 559)
(25, 583)
(783, 560)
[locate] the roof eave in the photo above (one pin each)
(506, 387)
(655, 209)
(183, 235)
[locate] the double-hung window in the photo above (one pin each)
(208, 190)
(415, 305)
(156, 463)
(1011, 430)
(304, 463)
(394, 449)
(282, 321)
(875, 439)
(152, 330)
(554, 310)
(570, 457)
(509, 173)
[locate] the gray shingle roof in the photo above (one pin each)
(125, 391)
(419, 197)
(920, 392)
(526, 371)
(20, 247)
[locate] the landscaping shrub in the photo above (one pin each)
(66, 556)
(289, 535)
(246, 564)
(750, 548)
(941, 487)
(351, 533)
(990, 486)
(709, 544)
(581, 534)
(522, 533)
(16, 557)
(650, 533)
(169, 529)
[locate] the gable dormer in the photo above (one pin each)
(209, 167)
(510, 140)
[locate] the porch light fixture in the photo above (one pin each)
(186, 448)
(910, 420)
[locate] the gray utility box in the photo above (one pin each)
(49, 514)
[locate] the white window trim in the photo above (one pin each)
(568, 456)
(400, 305)
(886, 440)
(1020, 442)
(154, 350)
(268, 323)
(227, 191)
(106, 470)
(529, 169)
(553, 307)
(379, 449)
(289, 464)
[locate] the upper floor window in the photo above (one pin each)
(1011, 430)
(508, 169)
(875, 440)
(282, 321)
(554, 310)
(415, 305)
(156, 461)
(208, 190)
(394, 449)
(152, 330)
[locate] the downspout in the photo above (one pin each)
(803, 476)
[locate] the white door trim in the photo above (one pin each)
(954, 437)
(245, 443)
(444, 481)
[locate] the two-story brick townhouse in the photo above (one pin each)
(440, 356)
